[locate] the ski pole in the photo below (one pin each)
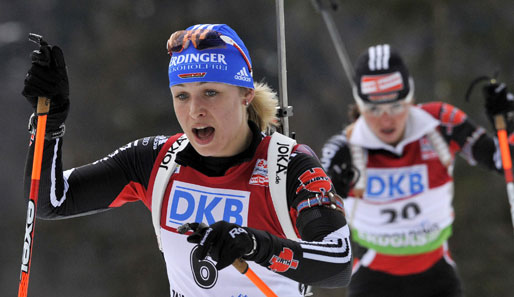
(335, 36)
(43, 107)
(242, 266)
(501, 130)
(500, 126)
(284, 110)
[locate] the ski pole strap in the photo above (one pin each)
(49, 135)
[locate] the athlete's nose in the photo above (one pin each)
(197, 107)
(386, 118)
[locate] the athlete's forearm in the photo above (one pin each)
(323, 257)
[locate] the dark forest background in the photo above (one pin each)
(117, 67)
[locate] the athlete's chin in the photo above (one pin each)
(205, 150)
(390, 138)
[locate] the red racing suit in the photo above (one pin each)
(401, 224)
(208, 189)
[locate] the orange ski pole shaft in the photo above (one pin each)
(43, 106)
(501, 128)
(243, 267)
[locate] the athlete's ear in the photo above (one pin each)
(248, 95)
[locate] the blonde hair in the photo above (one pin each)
(263, 108)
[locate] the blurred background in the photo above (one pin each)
(117, 67)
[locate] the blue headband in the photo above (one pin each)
(223, 65)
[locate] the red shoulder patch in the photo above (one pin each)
(451, 115)
(444, 112)
(314, 180)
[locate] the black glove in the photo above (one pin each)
(342, 172)
(47, 77)
(223, 241)
(498, 101)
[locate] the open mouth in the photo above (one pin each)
(387, 131)
(203, 134)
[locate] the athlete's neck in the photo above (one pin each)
(218, 166)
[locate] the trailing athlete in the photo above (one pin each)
(400, 207)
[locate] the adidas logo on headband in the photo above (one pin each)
(243, 75)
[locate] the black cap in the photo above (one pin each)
(381, 76)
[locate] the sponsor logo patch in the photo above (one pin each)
(284, 261)
(198, 64)
(27, 243)
(420, 236)
(373, 84)
(198, 58)
(158, 140)
(427, 151)
(314, 180)
(283, 151)
(194, 203)
(391, 184)
(242, 75)
(192, 75)
(260, 173)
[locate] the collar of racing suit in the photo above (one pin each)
(419, 123)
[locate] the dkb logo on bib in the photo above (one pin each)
(193, 203)
(388, 184)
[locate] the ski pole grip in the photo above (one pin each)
(499, 122)
(43, 106)
(240, 265)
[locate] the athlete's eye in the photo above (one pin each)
(211, 93)
(375, 110)
(396, 108)
(181, 96)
